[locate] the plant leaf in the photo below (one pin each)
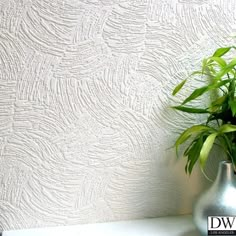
(206, 148)
(221, 51)
(217, 104)
(193, 152)
(232, 104)
(226, 69)
(190, 109)
(218, 60)
(219, 101)
(204, 65)
(198, 73)
(184, 136)
(199, 91)
(196, 93)
(227, 128)
(178, 87)
(232, 63)
(233, 157)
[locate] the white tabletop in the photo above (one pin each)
(164, 226)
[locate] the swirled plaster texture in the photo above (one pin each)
(85, 86)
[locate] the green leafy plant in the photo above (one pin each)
(219, 128)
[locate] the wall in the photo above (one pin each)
(85, 86)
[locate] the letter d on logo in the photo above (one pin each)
(215, 222)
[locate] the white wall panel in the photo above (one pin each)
(85, 90)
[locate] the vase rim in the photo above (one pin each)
(226, 162)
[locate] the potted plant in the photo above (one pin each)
(218, 72)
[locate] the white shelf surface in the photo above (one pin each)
(164, 226)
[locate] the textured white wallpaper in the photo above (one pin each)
(85, 86)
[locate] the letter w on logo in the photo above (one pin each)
(226, 221)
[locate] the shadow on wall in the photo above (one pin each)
(183, 189)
